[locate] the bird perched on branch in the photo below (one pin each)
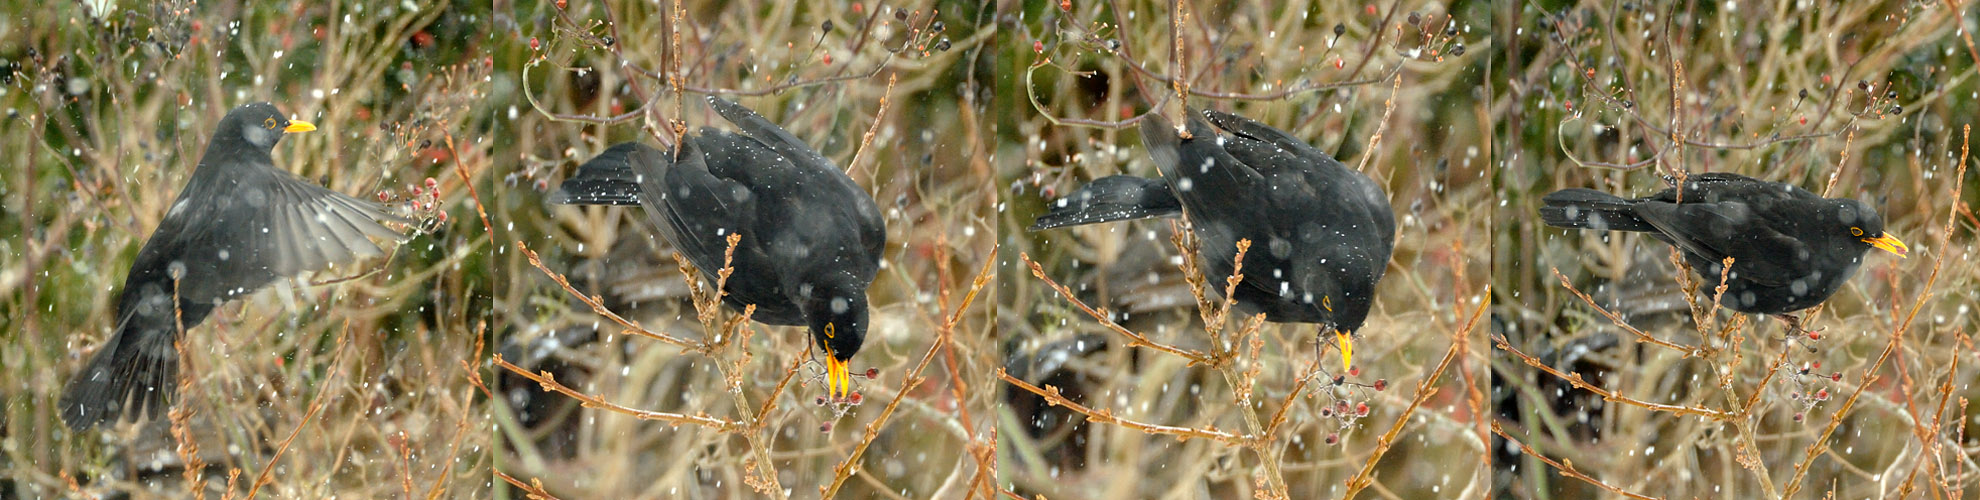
(811, 238)
(239, 224)
(1791, 249)
(1321, 233)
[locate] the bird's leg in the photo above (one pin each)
(1320, 352)
(1795, 329)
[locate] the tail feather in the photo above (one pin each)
(607, 179)
(135, 375)
(1112, 198)
(1591, 209)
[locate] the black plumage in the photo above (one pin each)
(239, 224)
(811, 237)
(1321, 233)
(1791, 248)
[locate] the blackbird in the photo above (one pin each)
(239, 224)
(1791, 248)
(811, 237)
(1321, 233)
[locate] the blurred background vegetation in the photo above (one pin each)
(1869, 100)
(596, 74)
(1327, 72)
(108, 106)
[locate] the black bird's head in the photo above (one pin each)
(1861, 222)
(257, 125)
(838, 326)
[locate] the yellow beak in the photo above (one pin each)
(1347, 349)
(299, 126)
(1886, 243)
(838, 380)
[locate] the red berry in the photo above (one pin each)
(1354, 371)
(534, 44)
(432, 184)
(1814, 336)
(821, 401)
(1038, 47)
(856, 399)
(825, 427)
(1065, 5)
(872, 373)
(1333, 437)
(1361, 409)
(1381, 384)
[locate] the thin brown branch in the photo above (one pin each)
(1134, 339)
(914, 378)
(1424, 389)
(1053, 396)
(533, 490)
(1820, 445)
(315, 406)
(550, 384)
(1641, 337)
(866, 141)
(1566, 467)
(1607, 395)
(597, 304)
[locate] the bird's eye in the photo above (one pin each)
(1856, 231)
(268, 123)
(830, 332)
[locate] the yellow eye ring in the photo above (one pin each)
(830, 332)
(1856, 231)
(268, 123)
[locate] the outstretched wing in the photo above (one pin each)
(228, 236)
